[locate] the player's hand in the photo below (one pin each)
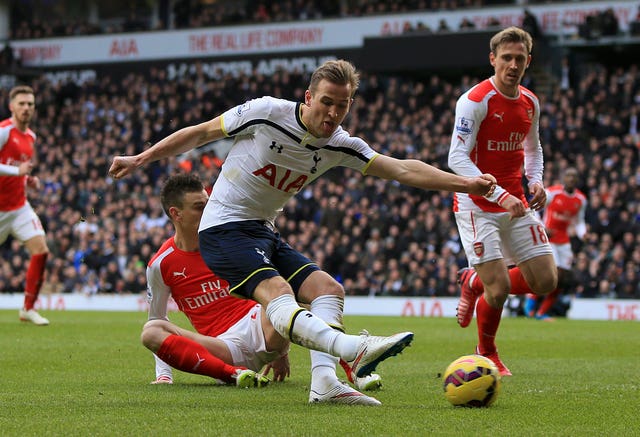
(514, 206)
(163, 379)
(539, 199)
(25, 168)
(482, 185)
(122, 166)
(33, 182)
(280, 368)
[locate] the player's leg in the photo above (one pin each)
(541, 273)
(495, 277)
(27, 228)
(241, 253)
(325, 297)
(530, 303)
(563, 257)
(273, 341)
(480, 234)
(185, 350)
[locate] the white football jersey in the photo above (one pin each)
(273, 157)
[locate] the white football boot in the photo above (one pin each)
(374, 349)
(33, 317)
(341, 393)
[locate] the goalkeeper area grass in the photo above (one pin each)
(88, 374)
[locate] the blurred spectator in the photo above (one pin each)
(530, 24)
(443, 26)
(8, 60)
(609, 22)
(604, 23)
(634, 25)
(467, 24)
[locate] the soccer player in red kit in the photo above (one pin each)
(566, 206)
(17, 217)
(233, 341)
(496, 131)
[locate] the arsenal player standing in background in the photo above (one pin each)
(17, 217)
(496, 131)
(566, 206)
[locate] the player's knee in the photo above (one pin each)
(333, 288)
(151, 336)
(37, 246)
(545, 284)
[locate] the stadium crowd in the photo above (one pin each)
(375, 237)
(28, 23)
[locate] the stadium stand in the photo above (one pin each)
(52, 19)
(377, 238)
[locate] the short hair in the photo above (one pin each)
(20, 89)
(339, 72)
(509, 35)
(175, 188)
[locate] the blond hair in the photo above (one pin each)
(20, 89)
(509, 35)
(339, 72)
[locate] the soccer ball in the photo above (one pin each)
(471, 381)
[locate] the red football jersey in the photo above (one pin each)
(201, 295)
(496, 134)
(16, 147)
(562, 210)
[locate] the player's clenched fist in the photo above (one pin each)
(122, 166)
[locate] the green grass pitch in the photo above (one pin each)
(88, 375)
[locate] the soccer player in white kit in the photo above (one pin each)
(279, 148)
(17, 217)
(234, 338)
(496, 131)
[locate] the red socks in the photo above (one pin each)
(187, 355)
(488, 321)
(35, 277)
(518, 284)
(548, 302)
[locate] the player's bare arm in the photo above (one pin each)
(419, 174)
(180, 141)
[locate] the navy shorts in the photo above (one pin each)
(246, 253)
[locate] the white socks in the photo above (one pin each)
(305, 329)
(323, 366)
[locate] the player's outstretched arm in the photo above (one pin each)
(180, 141)
(419, 174)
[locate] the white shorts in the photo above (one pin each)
(23, 223)
(488, 236)
(563, 255)
(246, 341)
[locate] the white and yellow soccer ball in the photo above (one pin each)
(471, 381)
